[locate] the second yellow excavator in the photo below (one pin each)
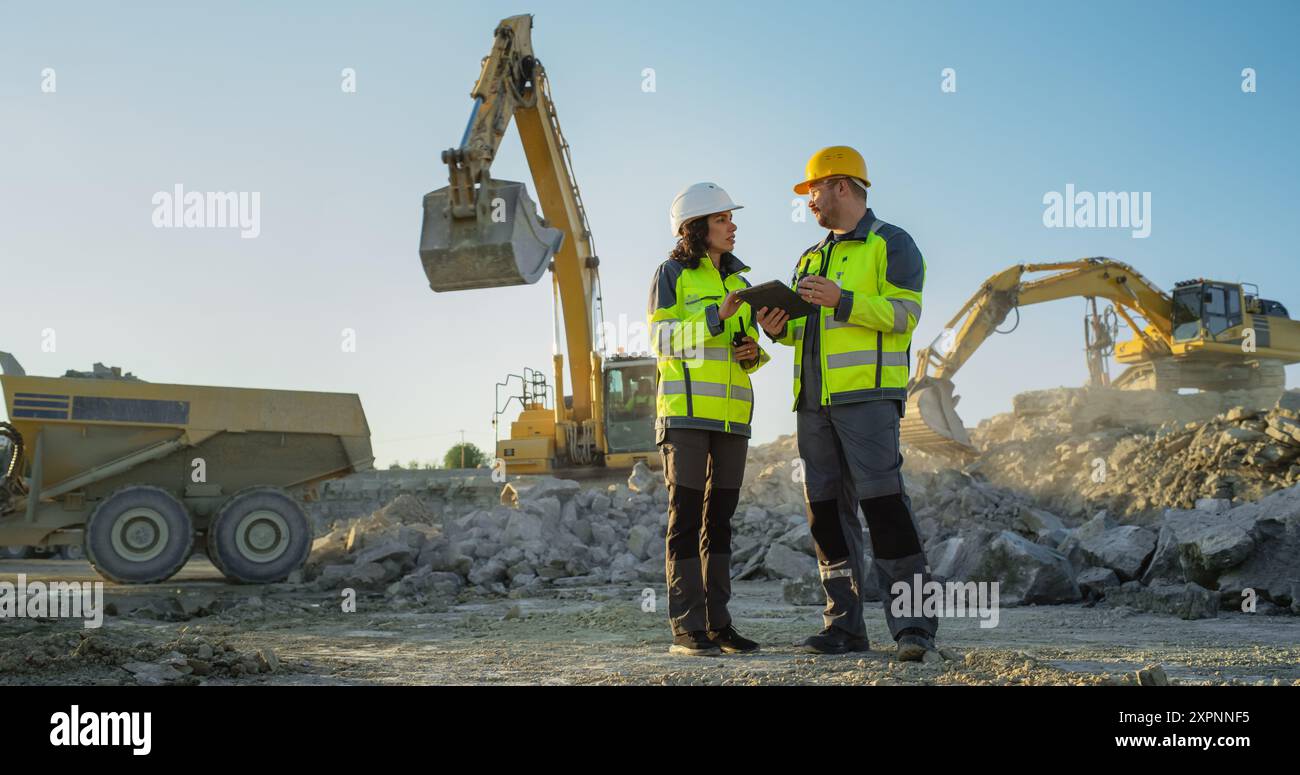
(1209, 335)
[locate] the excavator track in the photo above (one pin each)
(1169, 375)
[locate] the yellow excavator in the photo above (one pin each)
(480, 232)
(1209, 335)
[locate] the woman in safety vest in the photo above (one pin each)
(705, 338)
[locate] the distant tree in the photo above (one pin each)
(395, 466)
(473, 456)
(414, 465)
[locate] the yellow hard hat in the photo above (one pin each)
(835, 160)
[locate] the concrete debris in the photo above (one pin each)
(805, 590)
(1093, 582)
(1187, 601)
(100, 371)
(1076, 496)
(642, 480)
(1140, 452)
(1152, 675)
(785, 563)
(1028, 573)
(184, 660)
(1124, 550)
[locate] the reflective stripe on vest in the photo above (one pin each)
(859, 362)
(700, 383)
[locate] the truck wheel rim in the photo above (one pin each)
(262, 536)
(140, 534)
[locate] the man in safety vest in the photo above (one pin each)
(850, 390)
(641, 398)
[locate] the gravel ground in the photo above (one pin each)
(601, 635)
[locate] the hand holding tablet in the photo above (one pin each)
(776, 295)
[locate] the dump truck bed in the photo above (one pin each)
(91, 422)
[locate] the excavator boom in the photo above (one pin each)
(480, 232)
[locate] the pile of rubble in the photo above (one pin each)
(442, 491)
(549, 532)
(100, 371)
(1021, 515)
(1137, 453)
(187, 659)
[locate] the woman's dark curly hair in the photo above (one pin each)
(693, 243)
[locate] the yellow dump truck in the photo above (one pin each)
(140, 473)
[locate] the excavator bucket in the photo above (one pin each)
(510, 246)
(931, 422)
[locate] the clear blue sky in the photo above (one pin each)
(234, 96)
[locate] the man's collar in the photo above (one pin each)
(859, 232)
(863, 228)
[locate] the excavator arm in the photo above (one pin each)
(932, 421)
(1103, 278)
(480, 232)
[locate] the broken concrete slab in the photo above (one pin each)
(643, 480)
(805, 590)
(1187, 601)
(958, 558)
(515, 494)
(400, 553)
(1097, 581)
(1038, 522)
(1027, 572)
(1124, 549)
(782, 562)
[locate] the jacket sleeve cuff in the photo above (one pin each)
(845, 307)
(716, 326)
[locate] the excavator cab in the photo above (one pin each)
(1205, 306)
(630, 403)
(499, 241)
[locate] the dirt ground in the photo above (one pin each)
(601, 635)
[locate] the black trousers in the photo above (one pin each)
(704, 471)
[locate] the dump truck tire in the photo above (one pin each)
(15, 552)
(208, 541)
(139, 535)
(72, 552)
(260, 536)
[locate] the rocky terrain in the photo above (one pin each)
(1076, 512)
(1096, 524)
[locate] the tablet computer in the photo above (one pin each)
(775, 294)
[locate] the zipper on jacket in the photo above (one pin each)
(824, 270)
(726, 407)
(686, 376)
(880, 350)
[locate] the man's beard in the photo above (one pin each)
(824, 219)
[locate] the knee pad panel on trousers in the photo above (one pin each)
(717, 519)
(827, 532)
(893, 534)
(685, 518)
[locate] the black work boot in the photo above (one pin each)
(834, 640)
(913, 643)
(694, 644)
(732, 642)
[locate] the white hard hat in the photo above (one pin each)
(697, 200)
